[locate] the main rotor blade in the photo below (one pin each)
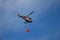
(31, 13)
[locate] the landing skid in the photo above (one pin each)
(25, 22)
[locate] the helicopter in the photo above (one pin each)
(26, 18)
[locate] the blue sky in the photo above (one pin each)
(46, 19)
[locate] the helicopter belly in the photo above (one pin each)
(28, 20)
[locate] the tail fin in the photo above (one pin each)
(19, 15)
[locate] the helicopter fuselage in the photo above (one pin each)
(27, 19)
